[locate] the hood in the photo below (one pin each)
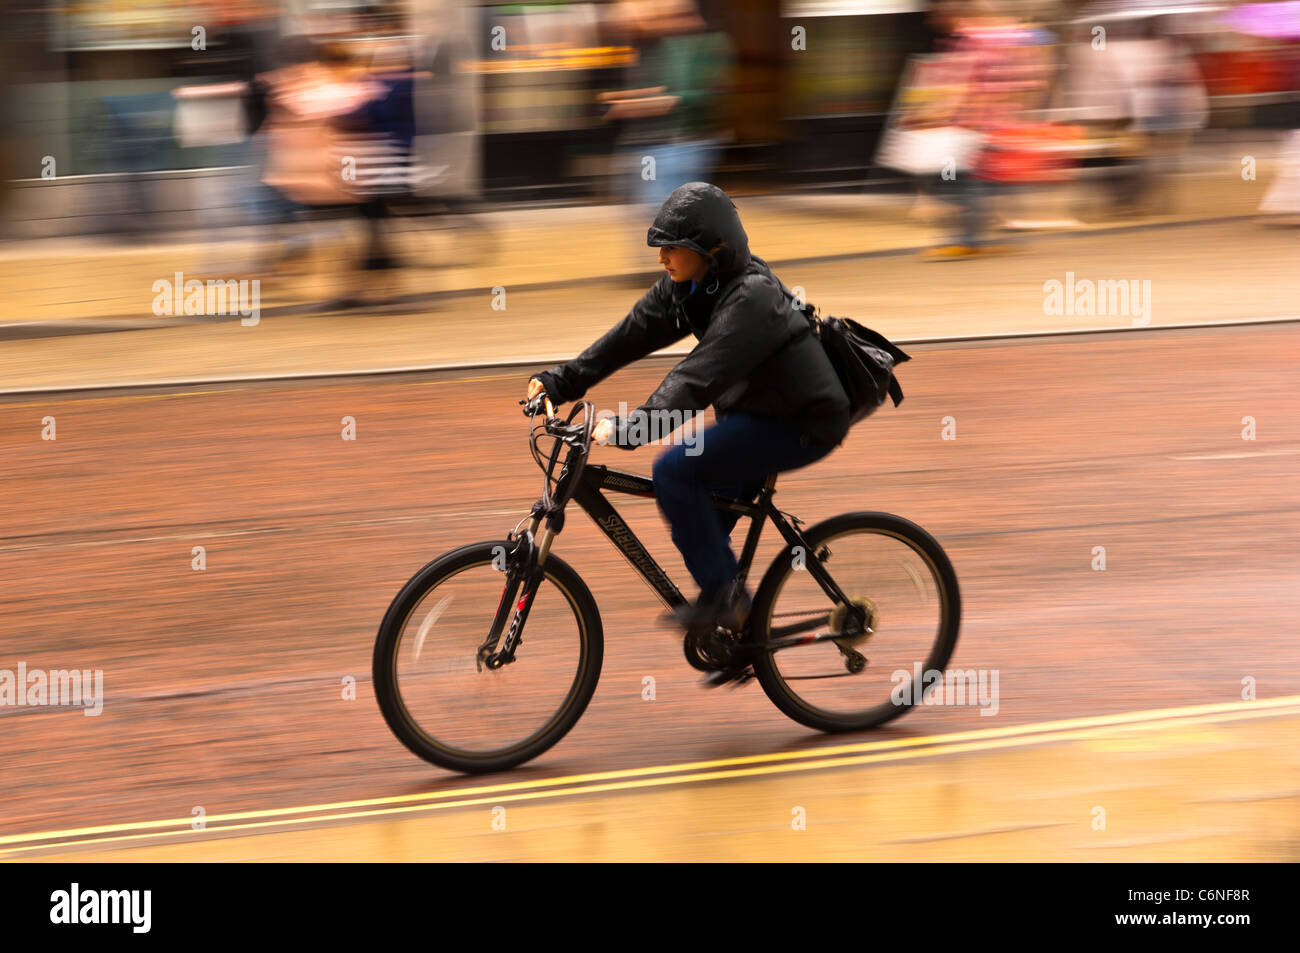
(699, 216)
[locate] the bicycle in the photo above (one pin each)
(450, 640)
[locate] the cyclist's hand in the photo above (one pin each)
(536, 393)
(603, 430)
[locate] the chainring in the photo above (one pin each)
(708, 651)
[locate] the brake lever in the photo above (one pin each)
(532, 407)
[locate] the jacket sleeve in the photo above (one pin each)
(744, 332)
(650, 325)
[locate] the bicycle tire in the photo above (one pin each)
(388, 693)
(776, 687)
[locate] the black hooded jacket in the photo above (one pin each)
(755, 353)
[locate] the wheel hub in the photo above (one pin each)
(845, 623)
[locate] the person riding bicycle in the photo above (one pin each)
(778, 403)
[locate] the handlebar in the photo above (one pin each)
(577, 436)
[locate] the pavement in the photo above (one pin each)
(540, 284)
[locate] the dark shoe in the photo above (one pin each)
(735, 675)
(736, 670)
(706, 615)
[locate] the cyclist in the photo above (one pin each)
(778, 403)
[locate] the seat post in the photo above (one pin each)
(751, 538)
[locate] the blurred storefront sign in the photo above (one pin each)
(849, 8)
(1126, 10)
(124, 24)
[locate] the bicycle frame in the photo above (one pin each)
(584, 485)
(588, 495)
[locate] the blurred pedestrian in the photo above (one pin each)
(1282, 201)
(669, 130)
(1005, 73)
(231, 114)
(1275, 22)
(308, 161)
(1168, 102)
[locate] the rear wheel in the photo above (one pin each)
(900, 577)
(459, 715)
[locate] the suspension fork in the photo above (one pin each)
(524, 566)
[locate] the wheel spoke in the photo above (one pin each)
(429, 620)
(902, 610)
(453, 711)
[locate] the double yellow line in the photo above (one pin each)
(692, 772)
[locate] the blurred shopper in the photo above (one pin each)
(1168, 102)
(314, 88)
(308, 160)
(1278, 22)
(378, 138)
(253, 40)
(1282, 201)
(667, 116)
(232, 113)
(1004, 70)
(930, 92)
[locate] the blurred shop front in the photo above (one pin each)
(810, 84)
(843, 60)
(99, 142)
(89, 105)
(539, 69)
(506, 95)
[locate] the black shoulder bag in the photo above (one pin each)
(864, 361)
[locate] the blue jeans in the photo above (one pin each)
(736, 455)
(973, 198)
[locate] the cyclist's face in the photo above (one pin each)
(682, 264)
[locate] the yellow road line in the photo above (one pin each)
(865, 753)
(466, 380)
(757, 771)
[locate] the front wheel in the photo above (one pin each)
(896, 577)
(463, 716)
